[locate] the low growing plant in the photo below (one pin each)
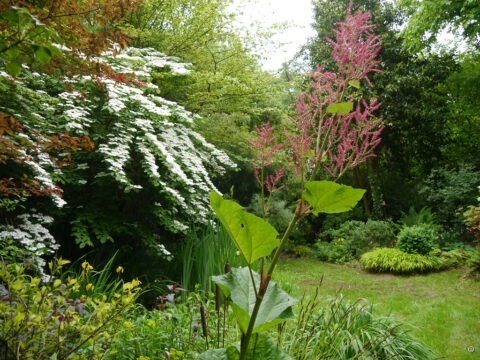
(337, 251)
(343, 330)
(301, 250)
(173, 330)
(417, 239)
(399, 262)
(51, 320)
(358, 237)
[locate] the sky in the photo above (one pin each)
(298, 14)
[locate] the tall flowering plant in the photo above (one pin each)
(333, 130)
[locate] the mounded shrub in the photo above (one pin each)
(359, 237)
(399, 262)
(418, 239)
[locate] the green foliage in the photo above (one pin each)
(331, 198)
(418, 239)
(337, 251)
(359, 237)
(175, 329)
(472, 219)
(449, 246)
(36, 41)
(205, 253)
(399, 262)
(278, 214)
(52, 319)
(474, 264)
(373, 233)
(301, 250)
(253, 236)
(428, 18)
(424, 216)
(261, 348)
(448, 189)
(457, 257)
(237, 285)
(342, 330)
(341, 108)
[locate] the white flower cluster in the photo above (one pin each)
(30, 234)
(175, 157)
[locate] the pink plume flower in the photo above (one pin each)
(341, 141)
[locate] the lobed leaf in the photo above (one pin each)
(342, 108)
(331, 198)
(253, 236)
(276, 306)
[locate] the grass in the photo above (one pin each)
(443, 307)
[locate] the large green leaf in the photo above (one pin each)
(253, 236)
(331, 198)
(276, 306)
(341, 108)
(230, 353)
(260, 347)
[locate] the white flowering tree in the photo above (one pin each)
(149, 174)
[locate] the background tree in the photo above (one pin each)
(415, 106)
(427, 18)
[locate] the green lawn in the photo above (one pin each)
(444, 308)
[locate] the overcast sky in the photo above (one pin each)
(298, 13)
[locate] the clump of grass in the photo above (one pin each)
(205, 253)
(342, 330)
(399, 262)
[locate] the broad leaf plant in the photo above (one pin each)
(334, 131)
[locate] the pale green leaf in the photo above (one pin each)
(253, 236)
(342, 108)
(276, 306)
(331, 198)
(354, 83)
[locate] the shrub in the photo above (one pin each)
(360, 237)
(301, 250)
(397, 261)
(448, 189)
(174, 329)
(474, 264)
(345, 230)
(341, 330)
(417, 239)
(472, 219)
(455, 245)
(372, 234)
(336, 251)
(456, 257)
(52, 321)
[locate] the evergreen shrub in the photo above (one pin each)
(418, 239)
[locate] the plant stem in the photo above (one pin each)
(258, 301)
